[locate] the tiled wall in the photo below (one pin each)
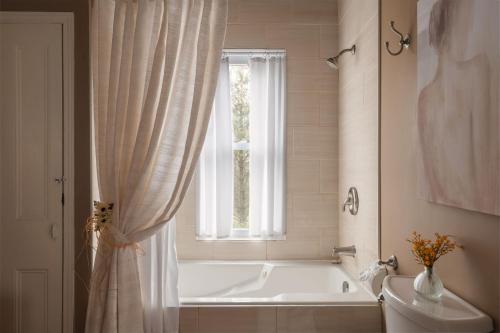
(358, 128)
(281, 319)
(308, 31)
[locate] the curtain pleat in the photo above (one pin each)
(267, 155)
(154, 71)
(215, 184)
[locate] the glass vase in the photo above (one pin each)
(428, 285)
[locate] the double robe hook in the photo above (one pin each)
(404, 41)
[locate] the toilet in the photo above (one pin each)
(405, 311)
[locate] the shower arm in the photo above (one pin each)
(352, 49)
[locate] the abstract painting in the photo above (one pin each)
(458, 116)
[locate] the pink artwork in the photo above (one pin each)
(458, 113)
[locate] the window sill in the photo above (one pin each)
(241, 239)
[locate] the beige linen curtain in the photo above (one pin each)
(154, 70)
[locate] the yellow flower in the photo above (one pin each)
(426, 251)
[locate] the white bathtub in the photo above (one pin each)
(214, 283)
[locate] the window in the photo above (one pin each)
(239, 78)
(241, 175)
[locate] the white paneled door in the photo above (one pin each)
(31, 183)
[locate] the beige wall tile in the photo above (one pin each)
(314, 143)
(245, 36)
(328, 41)
(300, 41)
(306, 66)
(314, 209)
(328, 108)
(233, 11)
(241, 320)
(342, 8)
(289, 319)
(326, 81)
(314, 12)
(328, 176)
(302, 249)
(329, 319)
(289, 142)
(239, 250)
(260, 11)
(289, 209)
(368, 56)
(188, 320)
(303, 109)
(303, 176)
(328, 240)
(302, 233)
(185, 230)
(189, 248)
(355, 16)
(371, 88)
(329, 82)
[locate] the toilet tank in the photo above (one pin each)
(405, 311)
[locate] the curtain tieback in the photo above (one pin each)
(119, 239)
(101, 222)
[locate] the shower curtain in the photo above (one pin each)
(154, 70)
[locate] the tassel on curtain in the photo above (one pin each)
(154, 72)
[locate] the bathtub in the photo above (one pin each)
(268, 282)
(273, 296)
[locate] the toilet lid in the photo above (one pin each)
(450, 314)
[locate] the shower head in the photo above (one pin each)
(334, 61)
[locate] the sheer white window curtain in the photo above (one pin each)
(267, 153)
(215, 184)
(267, 145)
(158, 272)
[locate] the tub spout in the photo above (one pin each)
(344, 251)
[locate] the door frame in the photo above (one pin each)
(66, 19)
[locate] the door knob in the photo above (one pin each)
(60, 180)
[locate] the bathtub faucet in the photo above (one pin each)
(344, 251)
